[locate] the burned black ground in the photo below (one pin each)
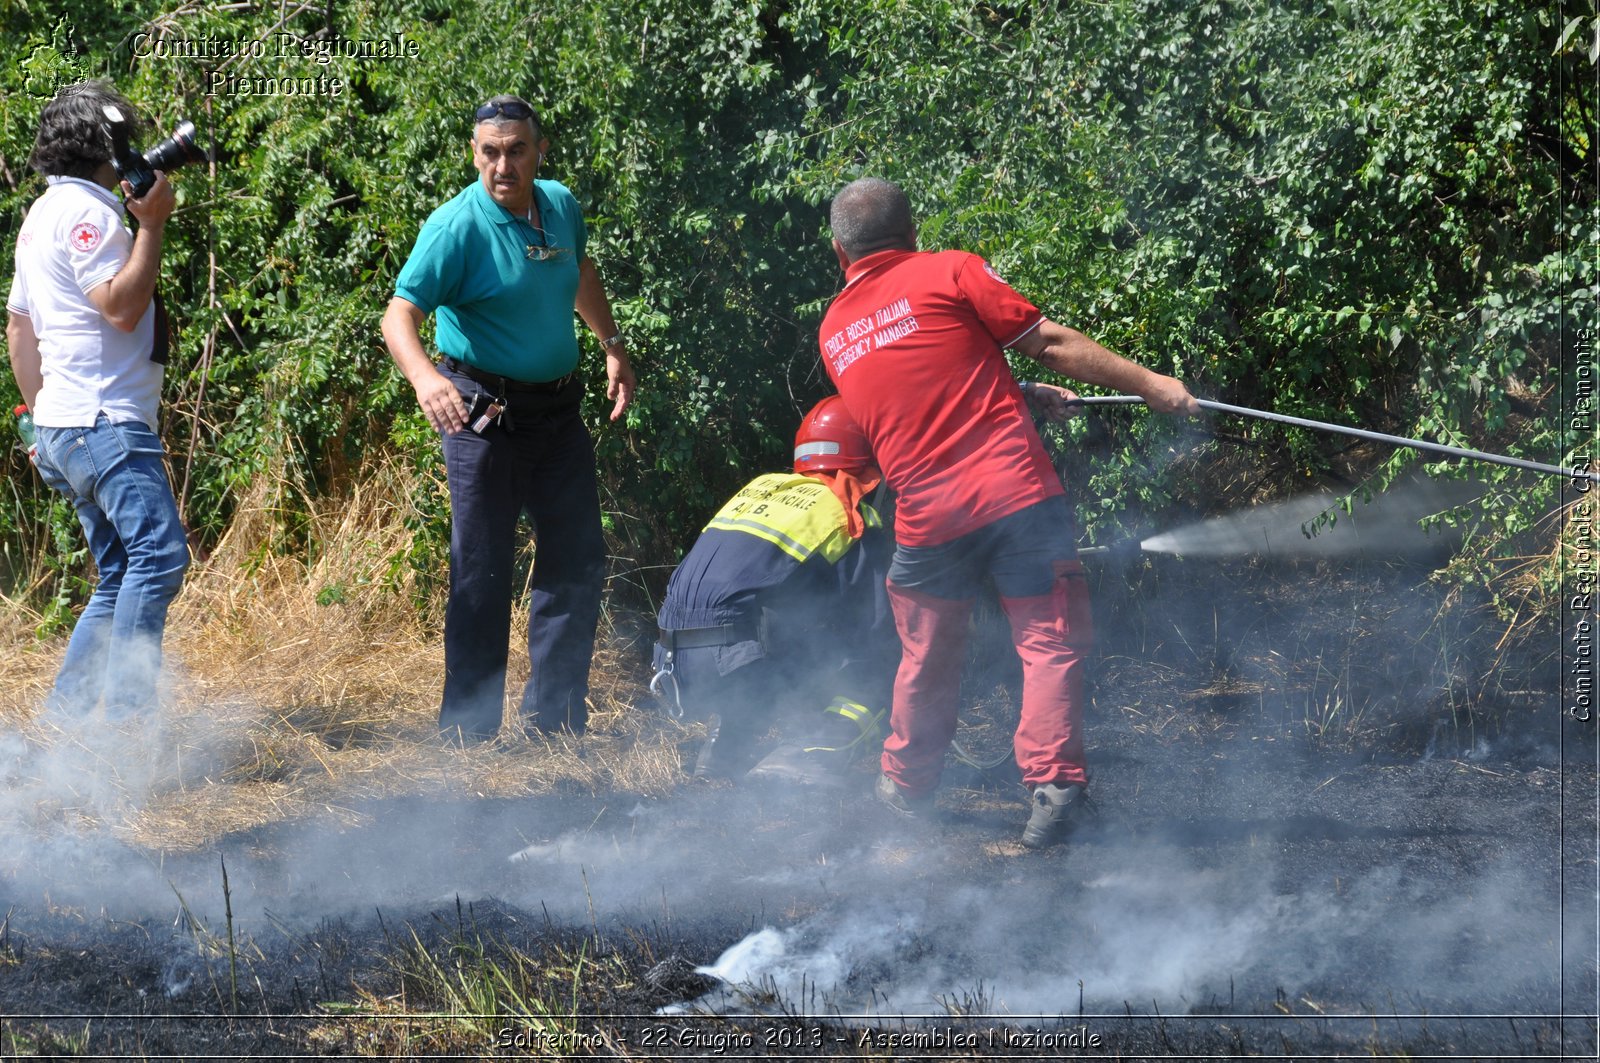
(1329, 818)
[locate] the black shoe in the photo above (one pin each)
(457, 738)
(802, 766)
(914, 808)
(1055, 810)
(712, 760)
(537, 729)
(539, 733)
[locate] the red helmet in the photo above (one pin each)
(829, 439)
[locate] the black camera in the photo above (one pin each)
(139, 170)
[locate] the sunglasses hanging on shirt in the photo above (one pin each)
(543, 252)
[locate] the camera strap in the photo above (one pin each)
(161, 342)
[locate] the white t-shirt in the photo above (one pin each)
(72, 241)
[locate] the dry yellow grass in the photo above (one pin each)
(284, 706)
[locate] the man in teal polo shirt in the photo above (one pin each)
(502, 267)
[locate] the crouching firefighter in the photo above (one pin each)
(780, 609)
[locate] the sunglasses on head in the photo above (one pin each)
(515, 110)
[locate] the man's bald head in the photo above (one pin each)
(870, 215)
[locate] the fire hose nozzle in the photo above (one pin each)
(1122, 551)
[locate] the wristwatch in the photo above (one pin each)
(606, 345)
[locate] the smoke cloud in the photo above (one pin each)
(1224, 873)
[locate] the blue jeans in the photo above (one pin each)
(539, 460)
(114, 476)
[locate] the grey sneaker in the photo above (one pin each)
(916, 808)
(1055, 810)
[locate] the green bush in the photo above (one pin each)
(1348, 211)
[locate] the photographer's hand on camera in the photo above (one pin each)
(154, 207)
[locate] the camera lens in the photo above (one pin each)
(177, 150)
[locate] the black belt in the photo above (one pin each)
(693, 638)
(504, 385)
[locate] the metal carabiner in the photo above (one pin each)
(675, 706)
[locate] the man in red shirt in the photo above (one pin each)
(915, 344)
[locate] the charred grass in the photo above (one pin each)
(1369, 658)
(477, 981)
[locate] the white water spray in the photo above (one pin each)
(1325, 524)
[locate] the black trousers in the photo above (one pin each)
(539, 460)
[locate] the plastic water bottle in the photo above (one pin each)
(25, 428)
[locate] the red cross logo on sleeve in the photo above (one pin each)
(85, 236)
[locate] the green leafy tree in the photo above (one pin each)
(1371, 212)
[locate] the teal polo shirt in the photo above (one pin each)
(497, 309)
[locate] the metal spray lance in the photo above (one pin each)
(1359, 433)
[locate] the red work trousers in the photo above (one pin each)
(1052, 633)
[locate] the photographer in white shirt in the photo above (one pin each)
(82, 329)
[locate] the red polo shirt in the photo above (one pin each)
(915, 346)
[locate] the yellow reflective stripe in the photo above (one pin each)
(857, 714)
(797, 514)
(798, 551)
(850, 710)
